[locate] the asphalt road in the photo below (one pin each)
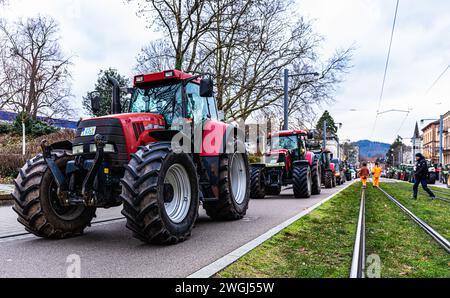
(109, 250)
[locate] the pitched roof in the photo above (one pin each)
(416, 132)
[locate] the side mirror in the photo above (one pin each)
(206, 88)
(311, 135)
(95, 104)
(221, 115)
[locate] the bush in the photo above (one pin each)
(5, 128)
(10, 165)
(33, 127)
(11, 149)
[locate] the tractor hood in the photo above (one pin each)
(126, 132)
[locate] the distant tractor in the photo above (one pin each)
(339, 171)
(432, 175)
(131, 159)
(288, 162)
(327, 168)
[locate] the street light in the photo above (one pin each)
(286, 93)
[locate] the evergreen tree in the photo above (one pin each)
(331, 125)
(104, 91)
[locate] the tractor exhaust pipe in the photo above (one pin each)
(115, 103)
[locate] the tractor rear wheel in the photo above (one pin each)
(334, 181)
(160, 194)
(37, 203)
(316, 178)
(234, 185)
(328, 179)
(302, 181)
(257, 184)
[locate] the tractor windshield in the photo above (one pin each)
(284, 142)
(162, 99)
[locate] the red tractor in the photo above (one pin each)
(132, 159)
(287, 162)
(328, 169)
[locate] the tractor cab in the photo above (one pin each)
(174, 94)
(287, 147)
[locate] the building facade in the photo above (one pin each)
(446, 137)
(430, 140)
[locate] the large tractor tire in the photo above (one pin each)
(273, 190)
(334, 181)
(37, 203)
(316, 176)
(160, 194)
(257, 183)
(302, 180)
(328, 179)
(234, 189)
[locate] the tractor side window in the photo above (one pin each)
(197, 106)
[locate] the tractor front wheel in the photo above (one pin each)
(257, 184)
(234, 189)
(328, 179)
(160, 194)
(316, 178)
(302, 180)
(38, 205)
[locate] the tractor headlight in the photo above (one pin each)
(77, 149)
(109, 148)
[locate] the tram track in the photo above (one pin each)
(441, 240)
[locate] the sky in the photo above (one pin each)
(107, 33)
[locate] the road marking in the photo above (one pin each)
(235, 255)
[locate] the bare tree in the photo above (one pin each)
(34, 75)
(245, 45)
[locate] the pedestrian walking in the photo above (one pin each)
(421, 176)
(376, 174)
(364, 174)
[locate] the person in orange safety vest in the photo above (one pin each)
(376, 174)
(364, 174)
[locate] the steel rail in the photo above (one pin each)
(359, 250)
(428, 229)
(12, 236)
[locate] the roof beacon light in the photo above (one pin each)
(169, 74)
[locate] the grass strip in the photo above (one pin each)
(404, 248)
(318, 245)
(435, 213)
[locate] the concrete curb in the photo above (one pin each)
(222, 263)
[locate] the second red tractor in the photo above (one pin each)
(288, 162)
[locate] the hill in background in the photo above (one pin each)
(370, 149)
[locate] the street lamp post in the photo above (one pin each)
(286, 93)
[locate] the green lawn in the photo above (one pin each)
(404, 248)
(435, 213)
(318, 245)
(321, 243)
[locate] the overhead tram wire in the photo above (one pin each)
(438, 79)
(426, 93)
(386, 68)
